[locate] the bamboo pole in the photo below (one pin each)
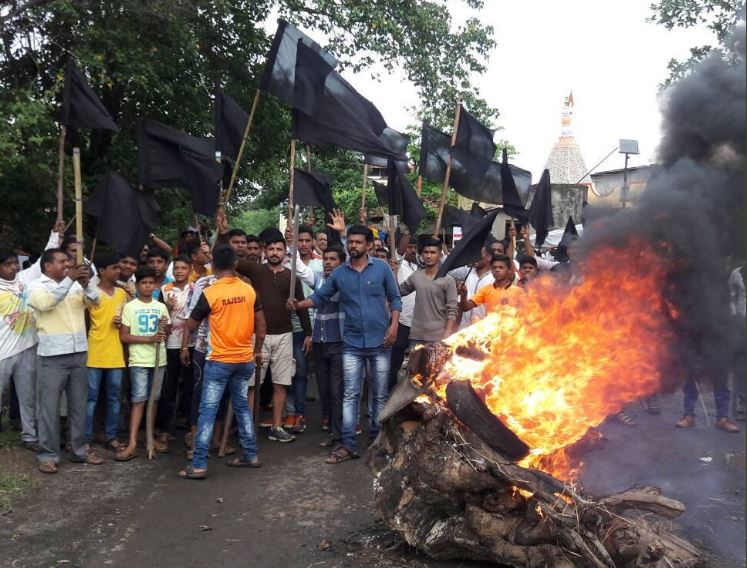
(291, 181)
(447, 176)
(392, 234)
(60, 171)
(419, 186)
(93, 245)
(78, 205)
(247, 131)
(362, 211)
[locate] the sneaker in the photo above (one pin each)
(325, 424)
(299, 425)
(266, 423)
(290, 421)
(280, 435)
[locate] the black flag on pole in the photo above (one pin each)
(453, 216)
(168, 157)
(570, 235)
(311, 75)
(381, 194)
(401, 197)
(230, 125)
(540, 211)
(512, 204)
(469, 248)
(434, 153)
(490, 188)
(280, 70)
(124, 215)
(312, 189)
(81, 108)
(344, 118)
(474, 148)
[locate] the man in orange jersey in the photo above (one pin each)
(501, 292)
(235, 313)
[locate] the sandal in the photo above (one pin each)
(160, 447)
(47, 467)
(241, 462)
(190, 454)
(624, 419)
(340, 455)
(125, 456)
(114, 445)
(190, 473)
(327, 443)
(93, 459)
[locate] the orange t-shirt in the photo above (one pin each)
(494, 297)
(230, 304)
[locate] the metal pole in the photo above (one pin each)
(624, 195)
(596, 166)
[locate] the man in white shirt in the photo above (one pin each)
(18, 335)
(408, 263)
(60, 298)
(474, 278)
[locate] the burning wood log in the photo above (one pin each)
(447, 481)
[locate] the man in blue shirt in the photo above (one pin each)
(365, 285)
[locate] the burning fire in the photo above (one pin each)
(569, 356)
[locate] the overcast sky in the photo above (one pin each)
(603, 50)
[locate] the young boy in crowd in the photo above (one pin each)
(500, 292)
(105, 351)
(158, 260)
(127, 266)
(179, 379)
(140, 329)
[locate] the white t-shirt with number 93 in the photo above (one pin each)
(142, 319)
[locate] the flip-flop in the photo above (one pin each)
(240, 462)
(190, 473)
(125, 456)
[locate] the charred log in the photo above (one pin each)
(470, 409)
(448, 493)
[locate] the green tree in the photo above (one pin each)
(720, 16)
(160, 60)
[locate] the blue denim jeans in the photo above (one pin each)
(301, 378)
(113, 390)
(353, 366)
(217, 375)
(721, 396)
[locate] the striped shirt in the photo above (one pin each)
(60, 314)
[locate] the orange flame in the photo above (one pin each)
(569, 355)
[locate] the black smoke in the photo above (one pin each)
(692, 211)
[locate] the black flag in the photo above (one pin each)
(474, 138)
(469, 248)
(434, 153)
(512, 205)
(401, 197)
(570, 234)
(344, 118)
(125, 216)
(311, 75)
(230, 125)
(490, 187)
(453, 216)
(81, 108)
(168, 157)
(381, 194)
(540, 212)
(280, 70)
(312, 189)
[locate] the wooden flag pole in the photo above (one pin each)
(247, 131)
(294, 253)
(513, 237)
(78, 205)
(291, 181)
(419, 186)
(60, 170)
(447, 176)
(362, 211)
(392, 232)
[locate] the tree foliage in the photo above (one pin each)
(160, 59)
(720, 16)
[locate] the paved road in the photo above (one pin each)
(139, 514)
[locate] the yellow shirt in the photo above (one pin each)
(194, 277)
(104, 347)
(142, 319)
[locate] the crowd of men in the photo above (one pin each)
(203, 321)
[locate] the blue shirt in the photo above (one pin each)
(363, 297)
